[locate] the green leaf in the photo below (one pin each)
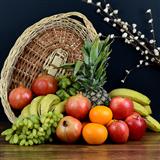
(67, 66)
(77, 67)
(85, 56)
(105, 43)
(103, 79)
(101, 69)
(87, 45)
(94, 51)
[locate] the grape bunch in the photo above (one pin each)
(33, 129)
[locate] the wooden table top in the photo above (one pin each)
(146, 149)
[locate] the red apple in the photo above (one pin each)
(121, 107)
(69, 129)
(78, 106)
(137, 126)
(118, 131)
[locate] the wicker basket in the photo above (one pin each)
(50, 42)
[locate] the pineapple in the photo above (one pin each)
(91, 72)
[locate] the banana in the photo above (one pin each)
(60, 107)
(132, 94)
(33, 109)
(48, 101)
(25, 112)
(152, 124)
(140, 109)
(148, 108)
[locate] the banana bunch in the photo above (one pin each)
(141, 105)
(42, 105)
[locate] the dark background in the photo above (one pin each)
(17, 15)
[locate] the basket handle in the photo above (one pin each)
(87, 23)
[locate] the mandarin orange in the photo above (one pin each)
(100, 114)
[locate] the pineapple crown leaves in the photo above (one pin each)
(94, 64)
(92, 50)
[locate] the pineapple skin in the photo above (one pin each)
(98, 97)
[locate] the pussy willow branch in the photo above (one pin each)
(149, 51)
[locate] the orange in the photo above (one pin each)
(94, 133)
(100, 114)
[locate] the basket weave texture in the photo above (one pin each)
(50, 42)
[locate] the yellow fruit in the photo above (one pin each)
(140, 109)
(132, 94)
(152, 124)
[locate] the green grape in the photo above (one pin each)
(40, 142)
(14, 127)
(11, 140)
(33, 129)
(15, 138)
(36, 126)
(36, 136)
(55, 124)
(41, 129)
(7, 132)
(40, 133)
(30, 136)
(45, 126)
(51, 121)
(22, 136)
(21, 124)
(35, 141)
(43, 118)
(34, 132)
(47, 121)
(42, 139)
(28, 133)
(26, 143)
(30, 124)
(49, 131)
(30, 142)
(34, 119)
(22, 142)
(24, 130)
(25, 122)
(18, 132)
(8, 137)
(50, 114)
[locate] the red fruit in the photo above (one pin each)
(121, 107)
(78, 106)
(69, 129)
(137, 126)
(44, 84)
(118, 131)
(20, 97)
